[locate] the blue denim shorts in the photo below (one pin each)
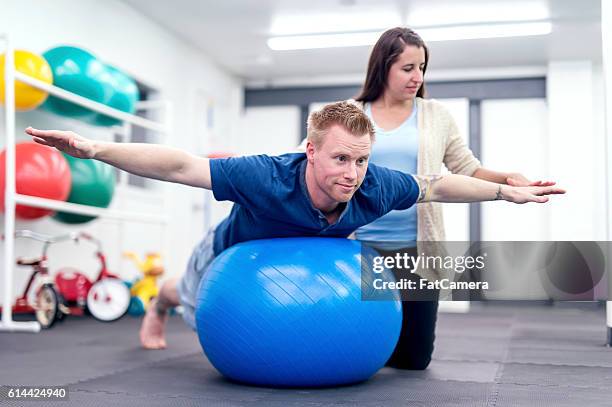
(200, 260)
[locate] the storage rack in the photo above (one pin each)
(12, 198)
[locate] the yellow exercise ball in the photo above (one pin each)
(26, 96)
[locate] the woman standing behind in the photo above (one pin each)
(417, 136)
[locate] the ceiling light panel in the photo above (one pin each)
(348, 21)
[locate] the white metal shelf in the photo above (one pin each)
(89, 210)
(90, 104)
(12, 198)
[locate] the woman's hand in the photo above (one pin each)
(519, 180)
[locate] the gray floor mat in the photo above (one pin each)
(470, 349)
(493, 356)
(82, 348)
(512, 395)
(560, 376)
(594, 357)
(193, 378)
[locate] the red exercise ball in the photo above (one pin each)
(40, 171)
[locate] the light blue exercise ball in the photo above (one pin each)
(125, 94)
(78, 71)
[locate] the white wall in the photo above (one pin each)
(577, 153)
(270, 130)
(119, 35)
(515, 139)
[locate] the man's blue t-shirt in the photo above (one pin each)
(271, 199)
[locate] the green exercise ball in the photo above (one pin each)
(124, 97)
(93, 183)
(77, 71)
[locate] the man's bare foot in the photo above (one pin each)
(153, 328)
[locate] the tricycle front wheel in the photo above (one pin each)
(108, 299)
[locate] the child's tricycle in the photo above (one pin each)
(107, 298)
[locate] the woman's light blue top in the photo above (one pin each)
(396, 149)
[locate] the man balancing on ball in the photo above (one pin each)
(328, 191)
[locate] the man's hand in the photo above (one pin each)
(519, 180)
(66, 141)
(521, 195)
(147, 160)
(460, 188)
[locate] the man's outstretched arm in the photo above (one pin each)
(460, 188)
(147, 160)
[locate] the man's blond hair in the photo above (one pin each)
(345, 114)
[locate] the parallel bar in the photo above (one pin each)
(90, 104)
(89, 210)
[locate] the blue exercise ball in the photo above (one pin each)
(289, 313)
(125, 94)
(78, 71)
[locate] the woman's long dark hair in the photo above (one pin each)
(385, 52)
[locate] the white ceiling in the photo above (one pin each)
(234, 32)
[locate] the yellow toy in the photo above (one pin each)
(146, 288)
(26, 96)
